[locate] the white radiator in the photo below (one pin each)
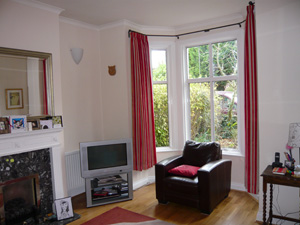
(75, 183)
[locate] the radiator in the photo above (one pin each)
(75, 183)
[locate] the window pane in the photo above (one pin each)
(225, 58)
(161, 117)
(159, 65)
(198, 61)
(200, 112)
(225, 98)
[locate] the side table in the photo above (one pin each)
(269, 177)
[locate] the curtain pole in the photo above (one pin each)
(193, 32)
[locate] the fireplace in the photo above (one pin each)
(20, 199)
(35, 152)
(25, 184)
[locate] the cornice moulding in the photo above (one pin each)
(209, 23)
(40, 5)
(157, 29)
(78, 23)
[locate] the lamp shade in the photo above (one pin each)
(294, 135)
(77, 54)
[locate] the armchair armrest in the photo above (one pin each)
(214, 183)
(162, 167)
(161, 171)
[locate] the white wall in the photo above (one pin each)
(29, 28)
(278, 35)
(81, 86)
(116, 90)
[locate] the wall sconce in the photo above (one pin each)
(77, 54)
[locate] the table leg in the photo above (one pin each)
(271, 203)
(264, 201)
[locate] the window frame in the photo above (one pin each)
(211, 39)
(169, 47)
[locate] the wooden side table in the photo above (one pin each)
(269, 177)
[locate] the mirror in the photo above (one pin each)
(26, 83)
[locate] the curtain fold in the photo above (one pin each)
(143, 128)
(251, 105)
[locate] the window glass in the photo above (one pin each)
(159, 68)
(198, 61)
(225, 115)
(200, 112)
(160, 97)
(213, 95)
(225, 58)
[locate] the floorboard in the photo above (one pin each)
(238, 208)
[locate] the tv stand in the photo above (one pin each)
(105, 189)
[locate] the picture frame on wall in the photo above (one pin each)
(17, 124)
(14, 98)
(4, 125)
(64, 208)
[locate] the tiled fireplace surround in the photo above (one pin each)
(39, 145)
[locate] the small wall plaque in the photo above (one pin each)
(112, 70)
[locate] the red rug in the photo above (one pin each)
(117, 215)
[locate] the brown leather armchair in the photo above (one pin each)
(204, 191)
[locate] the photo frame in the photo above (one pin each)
(17, 124)
(64, 208)
(46, 124)
(14, 98)
(35, 123)
(4, 125)
(57, 121)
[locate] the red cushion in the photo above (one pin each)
(185, 170)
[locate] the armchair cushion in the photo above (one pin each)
(185, 170)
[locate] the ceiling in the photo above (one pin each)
(165, 13)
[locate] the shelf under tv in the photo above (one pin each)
(109, 191)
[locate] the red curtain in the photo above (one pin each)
(144, 151)
(251, 105)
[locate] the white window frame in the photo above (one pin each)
(214, 38)
(169, 47)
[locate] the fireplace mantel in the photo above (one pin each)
(16, 143)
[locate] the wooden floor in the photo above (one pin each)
(239, 208)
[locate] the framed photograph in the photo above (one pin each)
(35, 123)
(57, 121)
(64, 209)
(14, 98)
(17, 124)
(46, 124)
(4, 125)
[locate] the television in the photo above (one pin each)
(108, 157)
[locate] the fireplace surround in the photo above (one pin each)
(35, 152)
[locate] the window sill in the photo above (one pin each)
(167, 149)
(224, 152)
(232, 153)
